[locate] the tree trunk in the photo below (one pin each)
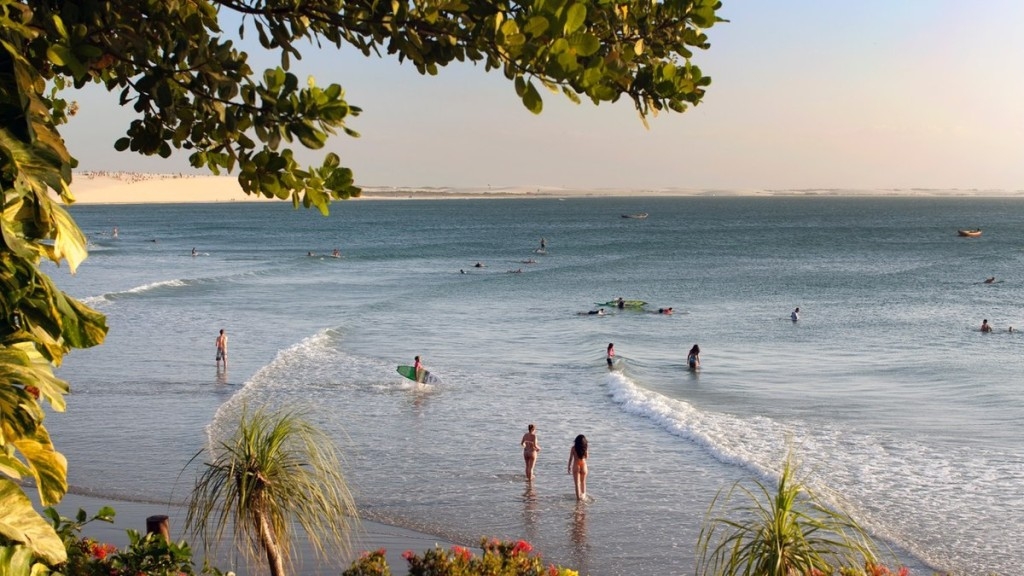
(269, 543)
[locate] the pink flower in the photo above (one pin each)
(522, 546)
(408, 554)
(904, 571)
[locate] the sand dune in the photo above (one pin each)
(141, 188)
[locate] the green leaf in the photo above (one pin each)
(575, 17)
(17, 561)
(585, 44)
(520, 85)
(532, 100)
(59, 54)
(20, 523)
(536, 26)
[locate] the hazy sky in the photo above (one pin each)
(805, 94)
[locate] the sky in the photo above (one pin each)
(805, 94)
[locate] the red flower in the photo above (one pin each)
(552, 570)
(904, 571)
(522, 546)
(33, 391)
(461, 552)
(101, 551)
(408, 554)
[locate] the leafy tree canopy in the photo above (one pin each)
(191, 89)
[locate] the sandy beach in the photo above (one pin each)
(140, 188)
(132, 516)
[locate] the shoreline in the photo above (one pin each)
(139, 188)
(131, 515)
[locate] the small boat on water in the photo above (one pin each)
(637, 216)
(969, 233)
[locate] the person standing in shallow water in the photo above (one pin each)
(417, 367)
(795, 315)
(530, 449)
(611, 355)
(693, 358)
(222, 349)
(578, 466)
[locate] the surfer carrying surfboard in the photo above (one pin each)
(418, 367)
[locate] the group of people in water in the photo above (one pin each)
(692, 357)
(576, 467)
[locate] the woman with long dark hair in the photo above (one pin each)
(693, 358)
(578, 466)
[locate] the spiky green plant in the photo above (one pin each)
(785, 532)
(277, 470)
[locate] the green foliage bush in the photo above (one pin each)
(145, 555)
(499, 558)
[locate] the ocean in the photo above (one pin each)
(893, 402)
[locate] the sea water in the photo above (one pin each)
(896, 406)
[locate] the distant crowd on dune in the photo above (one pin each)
(131, 177)
(110, 186)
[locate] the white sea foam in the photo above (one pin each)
(892, 486)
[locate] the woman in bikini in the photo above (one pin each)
(578, 466)
(530, 449)
(693, 358)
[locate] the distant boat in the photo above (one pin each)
(970, 233)
(637, 216)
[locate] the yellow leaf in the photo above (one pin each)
(69, 242)
(21, 523)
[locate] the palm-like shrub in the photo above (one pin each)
(785, 532)
(277, 470)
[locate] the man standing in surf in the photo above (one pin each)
(222, 349)
(417, 368)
